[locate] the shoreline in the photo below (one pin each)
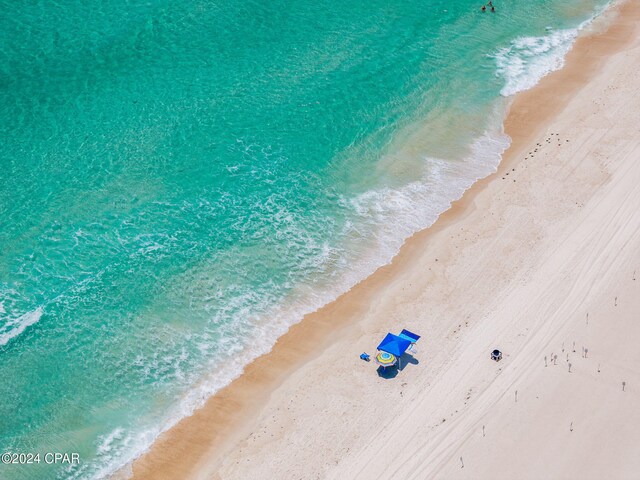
(234, 411)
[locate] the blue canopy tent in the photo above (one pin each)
(412, 337)
(407, 335)
(394, 345)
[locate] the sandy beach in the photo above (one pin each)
(540, 260)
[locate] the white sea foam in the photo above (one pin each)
(106, 442)
(528, 59)
(15, 327)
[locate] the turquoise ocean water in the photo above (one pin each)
(181, 181)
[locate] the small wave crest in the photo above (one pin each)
(15, 327)
(396, 214)
(528, 59)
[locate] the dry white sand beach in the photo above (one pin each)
(541, 260)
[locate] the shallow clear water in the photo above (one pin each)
(181, 181)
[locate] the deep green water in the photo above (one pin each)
(181, 181)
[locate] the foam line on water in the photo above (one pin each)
(529, 59)
(19, 325)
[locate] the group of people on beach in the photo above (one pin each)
(490, 4)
